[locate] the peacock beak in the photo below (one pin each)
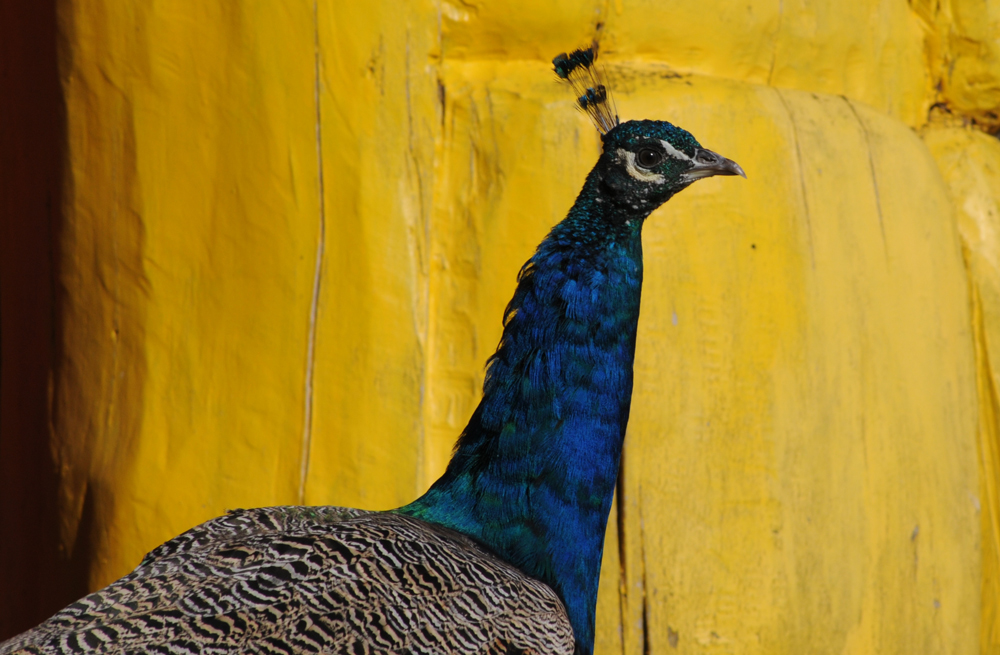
(708, 163)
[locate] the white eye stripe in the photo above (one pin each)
(674, 152)
(628, 158)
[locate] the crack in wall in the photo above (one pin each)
(418, 245)
(116, 299)
(646, 648)
(801, 176)
(317, 275)
(988, 463)
(421, 317)
(871, 169)
(622, 551)
(777, 32)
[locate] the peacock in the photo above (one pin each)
(503, 553)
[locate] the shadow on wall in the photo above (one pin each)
(36, 578)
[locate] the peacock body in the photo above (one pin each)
(503, 553)
(280, 580)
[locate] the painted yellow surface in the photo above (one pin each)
(292, 229)
(811, 465)
(379, 122)
(963, 48)
(970, 163)
(870, 50)
(192, 225)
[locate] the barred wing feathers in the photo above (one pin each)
(289, 580)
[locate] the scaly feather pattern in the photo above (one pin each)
(503, 553)
(286, 580)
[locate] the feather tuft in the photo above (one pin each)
(593, 97)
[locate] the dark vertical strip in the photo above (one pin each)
(36, 579)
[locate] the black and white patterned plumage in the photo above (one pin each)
(283, 580)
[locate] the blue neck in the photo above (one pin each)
(534, 472)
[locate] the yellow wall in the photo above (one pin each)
(970, 164)
(291, 229)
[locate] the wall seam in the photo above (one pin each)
(317, 273)
(871, 169)
(801, 176)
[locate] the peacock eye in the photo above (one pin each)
(649, 157)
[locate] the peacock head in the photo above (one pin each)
(644, 162)
(652, 160)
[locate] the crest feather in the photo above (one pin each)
(592, 94)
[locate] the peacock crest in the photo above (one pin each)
(579, 68)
